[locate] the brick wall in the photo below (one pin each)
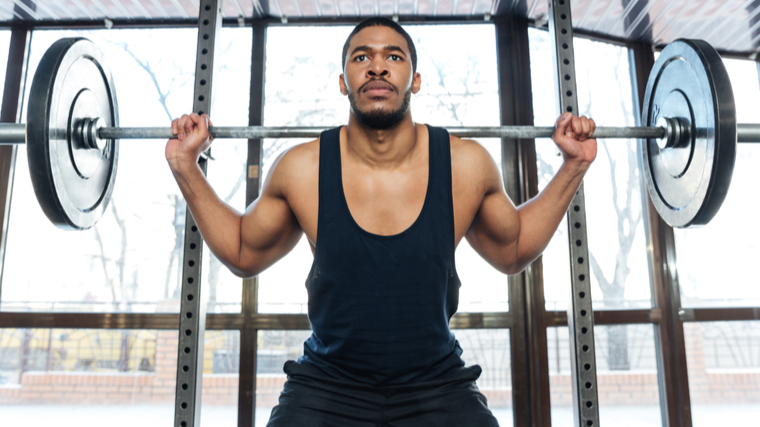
(615, 388)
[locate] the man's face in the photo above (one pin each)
(378, 77)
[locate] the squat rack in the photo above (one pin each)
(527, 318)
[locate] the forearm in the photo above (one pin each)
(218, 223)
(541, 216)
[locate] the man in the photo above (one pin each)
(383, 202)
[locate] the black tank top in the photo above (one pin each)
(380, 306)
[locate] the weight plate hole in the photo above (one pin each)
(192, 246)
(589, 423)
(183, 424)
(580, 260)
(569, 109)
(185, 368)
(203, 66)
(190, 297)
(204, 51)
(200, 113)
(565, 46)
(190, 280)
(563, 16)
(583, 313)
(188, 332)
(566, 61)
(187, 350)
(588, 385)
(587, 366)
(189, 315)
(203, 82)
(191, 263)
(589, 404)
(201, 98)
(582, 294)
(184, 405)
(184, 386)
(194, 228)
(585, 349)
(205, 37)
(584, 330)
(582, 277)
(577, 225)
(563, 31)
(578, 243)
(567, 76)
(208, 7)
(205, 22)
(570, 93)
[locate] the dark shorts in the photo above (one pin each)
(311, 399)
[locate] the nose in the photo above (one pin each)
(378, 68)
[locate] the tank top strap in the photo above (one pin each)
(440, 177)
(330, 201)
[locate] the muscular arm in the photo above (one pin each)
(511, 238)
(247, 243)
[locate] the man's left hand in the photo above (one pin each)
(573, 135)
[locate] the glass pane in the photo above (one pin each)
(461, 90)
(488, 348)
(5, 42)
(626, 374)
(130, 261)
(617, 244)
(221, 371)
(227, 173)
(723, 360)
(123, 377)
(728, 240)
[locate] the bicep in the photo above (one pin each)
(496, 226)
(268, 228)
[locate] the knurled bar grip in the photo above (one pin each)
(16, 133)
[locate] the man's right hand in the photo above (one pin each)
(193, 138)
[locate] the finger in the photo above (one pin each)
(189, 124)
(561, 126)
(174, 126)
(205, 124)
(181, 127)
(592, 124)
(577, 127)
(586, 128)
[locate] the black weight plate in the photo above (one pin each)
(688, 183)
(73, 184)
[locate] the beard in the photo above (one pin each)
(381, 118)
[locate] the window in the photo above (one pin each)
(131, 261)
(617, 243)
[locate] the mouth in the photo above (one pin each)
(378, 88)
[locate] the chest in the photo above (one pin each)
(385, 202)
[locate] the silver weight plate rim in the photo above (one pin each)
(719, 164)
(64, 214)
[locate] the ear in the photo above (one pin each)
(416, 83)
(342, 83)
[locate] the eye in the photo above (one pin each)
(360, 58)
(395, 58)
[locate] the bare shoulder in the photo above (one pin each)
(472, 163)
(295, 167)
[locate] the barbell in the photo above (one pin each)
(687, 144)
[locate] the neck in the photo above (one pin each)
(381, 148)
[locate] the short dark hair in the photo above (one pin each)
(382, 22)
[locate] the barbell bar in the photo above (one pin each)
(12, 134)
(687, 144)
